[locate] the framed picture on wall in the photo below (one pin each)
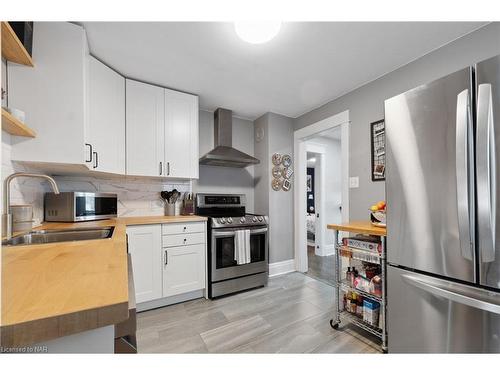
(377, 136)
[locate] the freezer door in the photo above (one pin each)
(430, 315)
(428, 180)
(487, 164)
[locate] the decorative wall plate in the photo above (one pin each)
(276, 159)
(287, 173)
(277, 171)
(286, 185)
(276, 184)
(286, 160)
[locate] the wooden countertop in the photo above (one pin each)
(58, 289)
(362, 227)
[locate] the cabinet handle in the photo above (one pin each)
(90, 153)
(185, 229)
(96, 164)
(166, 257)
(161, 167)
(168, 168)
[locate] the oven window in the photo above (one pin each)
(91, 206)
(225, 250)
(258, 247)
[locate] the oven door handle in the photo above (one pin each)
(226, 233)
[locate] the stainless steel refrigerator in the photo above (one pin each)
(443, 218)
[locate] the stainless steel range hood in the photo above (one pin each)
(224, 155)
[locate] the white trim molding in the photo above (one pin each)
(300, 164)
(280, 268)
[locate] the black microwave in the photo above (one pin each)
(78, 206)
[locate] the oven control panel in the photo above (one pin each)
(240, 221)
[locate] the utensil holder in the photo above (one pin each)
(169, 209)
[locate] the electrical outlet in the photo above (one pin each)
(354, 182)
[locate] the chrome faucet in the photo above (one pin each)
(7, 216)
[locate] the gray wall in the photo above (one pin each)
(366, 104)
(262, 179)
(278, 138)
(223, 179)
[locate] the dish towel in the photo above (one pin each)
(242, 247)
(248, 258)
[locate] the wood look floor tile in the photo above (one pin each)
(291, 315)
(234, 334)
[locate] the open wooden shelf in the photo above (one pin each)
(12, 48)
(15, 127)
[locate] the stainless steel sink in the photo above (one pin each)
(49, 236)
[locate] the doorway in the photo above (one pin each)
(321, 194)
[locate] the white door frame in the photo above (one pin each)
(300, 137)
(319, 188)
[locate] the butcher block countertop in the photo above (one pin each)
(362, 227)
(58, 289)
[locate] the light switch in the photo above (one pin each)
(354, 182)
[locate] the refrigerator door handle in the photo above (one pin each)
(462, 175)
(486, 174)
(481, 300)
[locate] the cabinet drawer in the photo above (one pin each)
(183, 239)
(178, 228)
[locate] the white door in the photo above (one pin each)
(184, 269)
(145, 129)
(106, 113)
(144, 245)
(181, 134)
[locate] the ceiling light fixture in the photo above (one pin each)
(257, 32)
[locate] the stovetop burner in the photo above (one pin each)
(227, 211)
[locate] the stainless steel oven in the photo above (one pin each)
(227, 217)
(223, 254)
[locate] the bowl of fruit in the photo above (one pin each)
(377, 214)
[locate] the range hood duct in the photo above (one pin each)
(224, 155)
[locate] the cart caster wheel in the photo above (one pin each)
(384, 351)
(334, 326)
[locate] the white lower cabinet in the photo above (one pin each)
(167, 268)
(144, 246)
(184, 269)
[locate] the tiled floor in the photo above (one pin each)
(320, 268)
(290, 315)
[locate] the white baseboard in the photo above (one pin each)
(328, 250)
(280, 268)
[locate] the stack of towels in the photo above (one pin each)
(242, 247)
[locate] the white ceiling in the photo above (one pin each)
(304, 66)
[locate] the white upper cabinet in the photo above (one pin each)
(145, 129)
(106, 111)
(181, 134)
(53, 95)
(162, 132)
